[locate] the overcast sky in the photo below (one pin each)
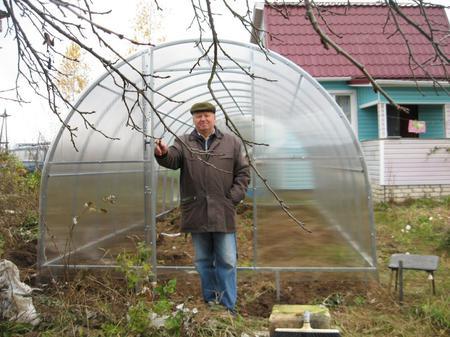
(28, 120)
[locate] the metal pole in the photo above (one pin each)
(277, 284)
(252, 159)
(6, 132)
(154, 173)
(164, 192)
(172, 191)
(257, 269)
(147, 149)
(4, 129)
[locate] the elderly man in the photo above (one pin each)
(213, 180)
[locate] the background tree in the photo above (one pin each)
(73, 73)
(147, 24)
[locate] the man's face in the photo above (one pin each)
(204, 122)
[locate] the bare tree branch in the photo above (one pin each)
(428, 35)
(327, 41)
(413, 63)
(233, 127)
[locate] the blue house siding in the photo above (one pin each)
(433, 115)
(366, 95)
(411, 95)
(367, 117)
(284, 163)
(368, 123)
(293, 174)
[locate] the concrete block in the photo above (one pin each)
(291, 316)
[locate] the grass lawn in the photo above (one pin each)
(416, 227)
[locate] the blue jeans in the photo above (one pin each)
(215, 260)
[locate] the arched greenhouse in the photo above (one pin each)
(100, 198)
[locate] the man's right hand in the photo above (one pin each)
(161, 148)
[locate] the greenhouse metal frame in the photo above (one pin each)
(311, 157)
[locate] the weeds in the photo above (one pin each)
(136, 267)
(416, 228)
(33, 180)
(359, 300)
(113, 330)
(138, 318)
(334, 300)
(444, 242)
(9, 329)
(2, 244)
(18, 204)
(436, 311)
(145, 317)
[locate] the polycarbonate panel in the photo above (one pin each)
(88, 222)
(303, 147)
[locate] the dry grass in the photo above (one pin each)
(378, 313)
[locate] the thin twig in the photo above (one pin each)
(233, 127)
(326, 40)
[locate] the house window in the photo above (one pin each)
(397, 121)
(346, 99)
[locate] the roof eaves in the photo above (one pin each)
(411, 83)
(399, 83)
(349, 4)
(333, 79)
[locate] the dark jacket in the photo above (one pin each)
(211, 184)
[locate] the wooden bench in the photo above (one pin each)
(400, 262)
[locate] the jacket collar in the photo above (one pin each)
(194, 134)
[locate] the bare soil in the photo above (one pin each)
(256, 291)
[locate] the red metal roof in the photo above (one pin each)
(366, 32)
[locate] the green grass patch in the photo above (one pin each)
(11, 329)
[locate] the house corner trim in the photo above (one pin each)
(447, 120)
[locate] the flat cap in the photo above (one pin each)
(203, 107)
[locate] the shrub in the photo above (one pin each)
(18, 203)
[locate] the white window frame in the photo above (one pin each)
(353, 106)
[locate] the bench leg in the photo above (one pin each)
(400, 282)
(396, 280)
(431, 276)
